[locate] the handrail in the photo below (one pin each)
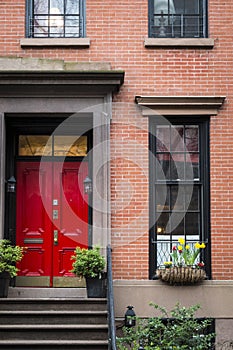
(110, 299)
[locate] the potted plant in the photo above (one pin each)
(90, 264)
(184, 267)
(9, 256)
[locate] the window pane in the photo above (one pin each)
(192, 224)
(56, 6)
(162, 223)
(162, 198)
(192, 201)
(192, 138)
(72, 26)
(177, 224)
(177, 138)
(35, 145)
(192, 167)
(72, 7)
(177, 166)
(41, 7)
(177, 198)
(163, 139)
(163, 166)
(69, 146)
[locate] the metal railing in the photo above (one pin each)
(54, 26)
(178, 26)
(110, 299)
(163, 248)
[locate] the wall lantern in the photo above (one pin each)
(11, 185)
(130, 317)
(87, 185)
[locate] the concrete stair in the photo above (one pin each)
(53, 323)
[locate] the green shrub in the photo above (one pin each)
(88, 262)
(177, 330)
(9, 255)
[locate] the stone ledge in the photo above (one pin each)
(214, 297)
(202, 43)
(12, 63)
(56, 42)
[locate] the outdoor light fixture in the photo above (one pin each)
(130, 317)
(11, 184)
(87, 185)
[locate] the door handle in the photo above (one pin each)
(55, 237)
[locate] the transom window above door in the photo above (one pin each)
(58, 145)
(178, 18)
(55, 18)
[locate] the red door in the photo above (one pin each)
(52, 219)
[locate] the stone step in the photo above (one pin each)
(53, 323)
(52, 317)
(53, 304)
(54, 344)
(27, 292)
(54, 332)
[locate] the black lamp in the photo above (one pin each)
(130, 317)
(11, 185)
(87, 185)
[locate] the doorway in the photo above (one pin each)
(52, 211)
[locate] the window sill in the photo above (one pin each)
(202, 43)
(56, 42)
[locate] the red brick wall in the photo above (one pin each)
(117, 30)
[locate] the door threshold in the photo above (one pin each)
(38, 292)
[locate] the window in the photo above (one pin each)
(57, 145)
(55, 18)
(179, 180)
(177, 18)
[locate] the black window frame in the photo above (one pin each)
(30, 15)
(176, 30)
(203, 123)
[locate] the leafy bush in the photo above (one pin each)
(88, 262)
(177, 330)
(9, 255)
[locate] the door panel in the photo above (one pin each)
(72, 206)
(33, 224)
(52, 219)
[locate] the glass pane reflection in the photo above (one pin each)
(44, 145)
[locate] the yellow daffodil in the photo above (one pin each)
(197, 245)
(181, 240)
(185, 254)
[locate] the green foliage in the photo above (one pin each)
(88, 262)
(9, 255)
(181, 331)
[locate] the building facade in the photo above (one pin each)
(137, 97)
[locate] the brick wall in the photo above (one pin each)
(117, 30)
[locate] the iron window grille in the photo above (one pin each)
(55, 19)
(179, 188)
(177, 18)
